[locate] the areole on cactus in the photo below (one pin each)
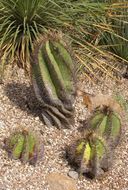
(25, 146)
(53, 82)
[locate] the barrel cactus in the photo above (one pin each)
(53, 82)
(106, 123)
(93, 153)
(88, 155)
(24, 146)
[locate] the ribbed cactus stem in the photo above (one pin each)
(24, 146)
(106, 123)
(53, 82)
(93, 153)
(87, 153)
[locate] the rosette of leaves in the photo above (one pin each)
(24, 146)
(88, 155)
(106, 123)
(53, 82)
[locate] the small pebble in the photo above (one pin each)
(73, 174)
(36, 118)
(1, 124)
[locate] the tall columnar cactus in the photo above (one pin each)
(53, 82)
(24, 146)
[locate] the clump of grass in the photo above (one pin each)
(116, 40)
(23, 21)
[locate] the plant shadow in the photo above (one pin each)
(23, 97)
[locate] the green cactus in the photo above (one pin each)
(53, 82)
(93, 154)
(18, 147)
(96, 119)
(87, 154)
(106, 123)
(24, 146)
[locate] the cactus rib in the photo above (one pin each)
(102, 126)
(80, 147)
(17, 150)
(87, 153)
(56, 74)
(96, 119)
(116, 126)
(58, 52)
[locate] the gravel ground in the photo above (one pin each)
(15, 112)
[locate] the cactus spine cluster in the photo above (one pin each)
(53, 82)
(24, 146)
(92, 154)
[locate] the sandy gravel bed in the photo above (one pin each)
(15, 112)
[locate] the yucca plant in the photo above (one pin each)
(53, 81)
(25, 146)
(21, 22)
(117, 40)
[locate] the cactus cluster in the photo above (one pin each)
(24, 146)
(92, 155)
(53, 82)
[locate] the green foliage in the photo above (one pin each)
(116, 40)
(24, 146)
(97, 23)
(22, 22)
(53, 82)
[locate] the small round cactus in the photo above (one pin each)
(24, 145)
(106, 123)
(87, 154)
